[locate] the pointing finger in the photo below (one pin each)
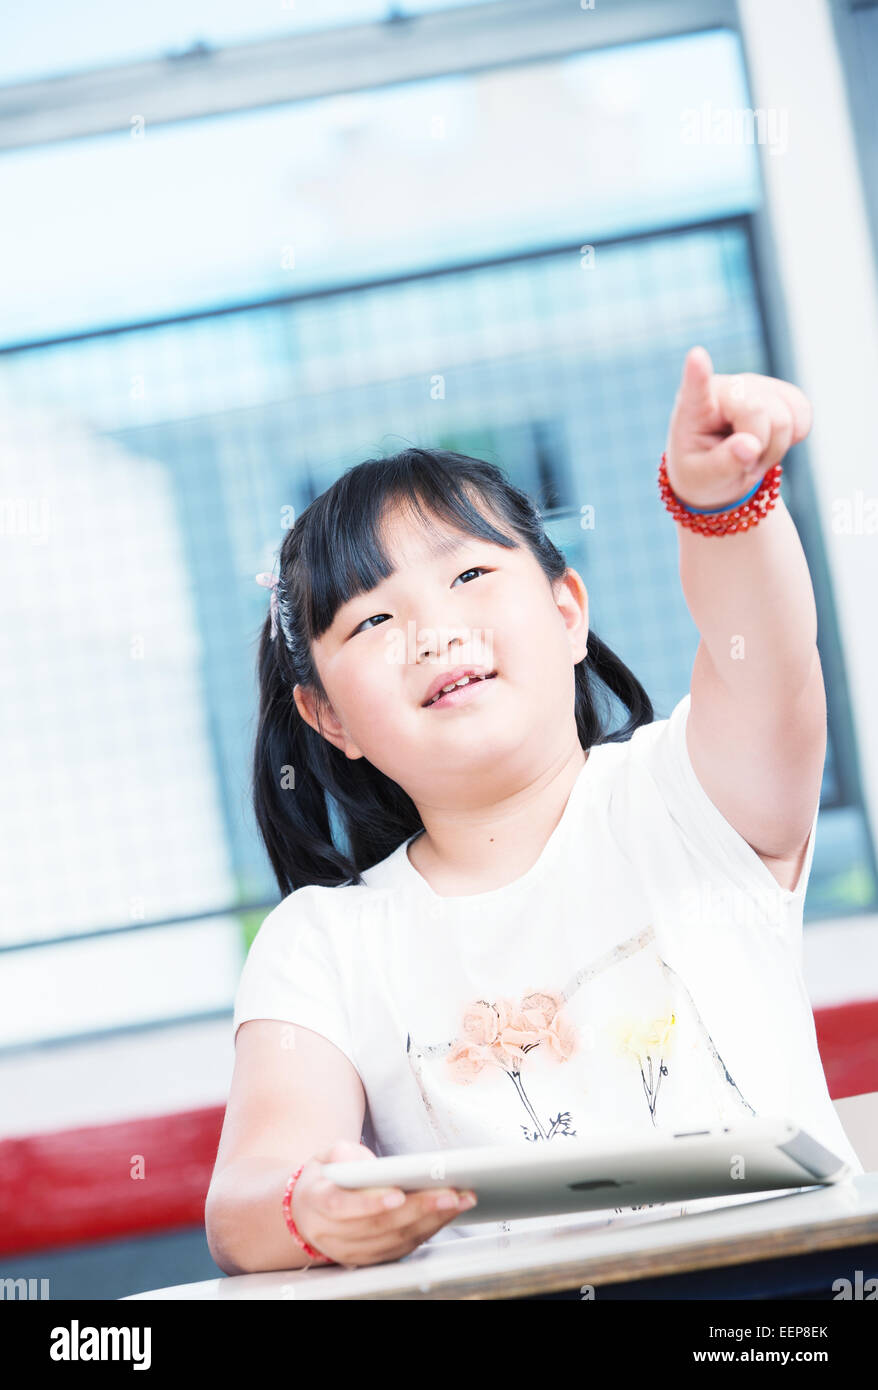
(695, 404)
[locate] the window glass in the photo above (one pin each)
(157, 221)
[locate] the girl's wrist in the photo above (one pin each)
(700, 508)
(738, 515)
(287, 1207)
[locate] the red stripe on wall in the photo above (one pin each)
(78, 1186)
(847, 1037)
(82, 1185)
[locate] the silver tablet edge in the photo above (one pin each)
(820, 1162)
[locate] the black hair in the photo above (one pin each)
(331, 554)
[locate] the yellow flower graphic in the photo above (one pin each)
(649, 1043)
(642, 1038)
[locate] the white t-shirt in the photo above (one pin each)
(645, 973)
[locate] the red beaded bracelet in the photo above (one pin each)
(288, 1217)
(738, 516)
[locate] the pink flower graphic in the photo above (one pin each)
(501, 1034)
(481, 1022)
(468, 1059)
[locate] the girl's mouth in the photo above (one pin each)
(460, 694)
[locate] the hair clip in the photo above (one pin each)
(269, 581)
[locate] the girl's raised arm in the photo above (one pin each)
(756, 730)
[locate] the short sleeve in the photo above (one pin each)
(290, 974)
(665, 752)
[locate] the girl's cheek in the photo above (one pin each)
(379, 703)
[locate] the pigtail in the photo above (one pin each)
(289, 806)
(604, 665)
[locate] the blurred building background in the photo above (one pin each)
(244, 247)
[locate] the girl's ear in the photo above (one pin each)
(327, 725)
(572, 599)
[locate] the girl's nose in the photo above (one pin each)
(446, 646)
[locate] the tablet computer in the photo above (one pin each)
(755, 1154)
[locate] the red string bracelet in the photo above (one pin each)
(288, 1217)
(720, 521)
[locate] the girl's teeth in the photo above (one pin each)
(464, 680)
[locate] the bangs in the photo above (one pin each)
(347, 525)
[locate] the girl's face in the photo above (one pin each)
(478, 604)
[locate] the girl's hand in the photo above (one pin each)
(727, 431)
(355, 1227)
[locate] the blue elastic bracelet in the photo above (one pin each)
(711, 511)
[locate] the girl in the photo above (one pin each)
(500, 922)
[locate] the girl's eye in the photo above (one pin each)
(477, 569)
(362, 627)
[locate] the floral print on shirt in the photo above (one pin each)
(503, 1033)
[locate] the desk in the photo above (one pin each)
(792, 1245)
